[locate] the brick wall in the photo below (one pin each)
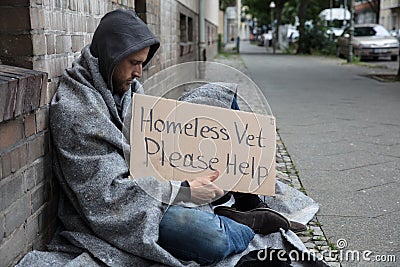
(27, 193)
(46, 36)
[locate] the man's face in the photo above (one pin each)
(128, 69)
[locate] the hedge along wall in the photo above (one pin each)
(42, 37)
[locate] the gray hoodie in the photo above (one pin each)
(102, 210)
(107, 218)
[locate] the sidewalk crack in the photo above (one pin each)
(375, 186)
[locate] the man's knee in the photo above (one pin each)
(219, 247)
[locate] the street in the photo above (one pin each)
(342, 131)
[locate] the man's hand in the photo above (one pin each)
(203, 190)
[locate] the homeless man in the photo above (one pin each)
(118, 220)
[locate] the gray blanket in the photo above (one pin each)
(109, 219)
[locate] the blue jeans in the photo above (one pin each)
(190, 234)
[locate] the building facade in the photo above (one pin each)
(365, 11)
(390, 14)
(39, 39)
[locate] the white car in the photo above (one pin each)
(369, 41)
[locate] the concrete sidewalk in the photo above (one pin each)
(314, 238)
(342, 131)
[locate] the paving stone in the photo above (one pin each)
(334, 264)
(320, 243)
(309, 245)
(317, 231)
(305, 239)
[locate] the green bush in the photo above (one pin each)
(316, 39)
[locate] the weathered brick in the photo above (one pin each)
(14, 19)
(13, 248)
(37, 173)
(42, 119)
(58, 66)
(40, 196)
(18, 61)
(37, 147)
(39, 44)
(11, 132)
(1, 227)
(40, 170)
(14, 160)
(15, 45)
(20, 97)
(36, 90)
(9, 105)
(1, 169)
(29, 179)
(77, 42)
(10, 190)
(16, 214)
(29, 94)
(30, 124)
(32, 228)
(37, 18)
(73, 5)
(3, 95)
(51, 89)
(6, 164)
(44, 91)
(41, 65)
(60, 48)
(51, 44)
(91, 24)
(39, 2)
(22, 155)
(15, 3)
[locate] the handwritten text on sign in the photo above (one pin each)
(174, 140)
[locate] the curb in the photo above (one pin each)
(314, 238)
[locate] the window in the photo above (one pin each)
(182, 26)
(186, 34)
(190, 29)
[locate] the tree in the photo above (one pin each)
(302, 48)
(375, 6)
(398, 72)
(223, 4)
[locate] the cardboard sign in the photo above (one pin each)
(173, 140)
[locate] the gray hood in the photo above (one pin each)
(119, 34)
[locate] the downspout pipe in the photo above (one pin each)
(202, 31)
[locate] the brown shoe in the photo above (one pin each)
(261, 220)
(297, 227)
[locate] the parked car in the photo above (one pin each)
(369, 41)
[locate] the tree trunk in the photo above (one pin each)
(375, 6)
(302, 45)
(279, 8)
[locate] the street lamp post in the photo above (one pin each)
(351, 32)
(272, 6)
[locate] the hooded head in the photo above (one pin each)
(120, 34)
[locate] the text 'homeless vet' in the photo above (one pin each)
(199, 128)
(174, 140)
